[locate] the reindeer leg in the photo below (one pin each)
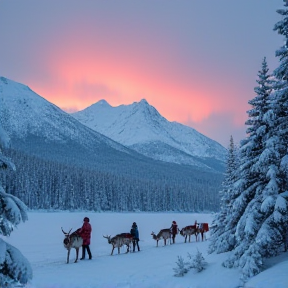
(77, 252)
(68, 254)
(112, 250)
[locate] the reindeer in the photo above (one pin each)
(119, 240)
(203, 228)
(163, 234)
(72, 241)
(188, 231)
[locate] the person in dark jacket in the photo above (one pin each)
(174, 230)
(85, 233)
(135, 233)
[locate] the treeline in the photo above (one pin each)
(44, 184)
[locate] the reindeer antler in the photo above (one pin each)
(65, 232)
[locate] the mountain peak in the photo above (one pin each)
(144, 107)
(103, 103)
(143, 102)
(4, 80)
(141, 127)
(11, 83)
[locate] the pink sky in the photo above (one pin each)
(196, 63)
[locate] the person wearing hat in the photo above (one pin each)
(135, 233)
(85, 233)
(174, 230)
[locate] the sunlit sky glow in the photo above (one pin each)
(196, 62)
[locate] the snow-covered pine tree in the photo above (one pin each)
(263, 199)
(221, 237)
(181, 268)
(250, 220)
(279, 113)
(197, 261)
(267, 214)
(14, 267)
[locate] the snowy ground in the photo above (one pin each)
(40, 240)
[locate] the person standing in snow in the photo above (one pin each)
(135, 233)
(174, 230)
(85, 233)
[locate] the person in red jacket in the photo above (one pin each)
(85, 233)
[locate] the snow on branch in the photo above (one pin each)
(14, 267)
(12, 211)
(182, 267)
(196, 262)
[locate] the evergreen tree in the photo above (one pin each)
(222, 239)
(181, 268)
(197, 261)
(250, 219)
(14, 267)
(279, 114)
(262, 203)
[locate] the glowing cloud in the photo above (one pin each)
(193, 65)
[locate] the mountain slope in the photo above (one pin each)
(40, 128)
(24, 113)
(140, 126)
(61, 163)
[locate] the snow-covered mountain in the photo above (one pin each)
(26, 114)
(40, 128)
(46, 138)
(140, 126)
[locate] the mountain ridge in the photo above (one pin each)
(63, 163)
(24, 112)
(40, 127)
(141, 127)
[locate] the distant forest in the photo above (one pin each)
(52, 185)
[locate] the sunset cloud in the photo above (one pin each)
(196, 63)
